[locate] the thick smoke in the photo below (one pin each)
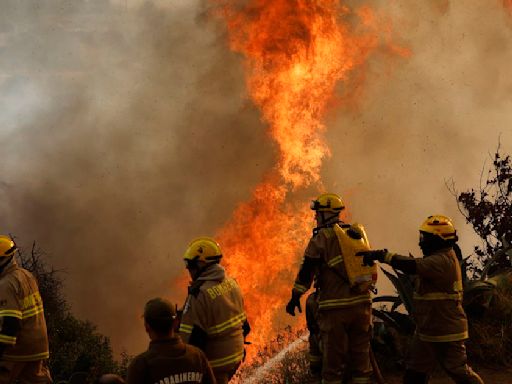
(426, 119)
(127, 132)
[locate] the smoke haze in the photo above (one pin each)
(128, 132)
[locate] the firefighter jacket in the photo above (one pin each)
(170, 361)
(20, 300)
(438, 311)
(324, 258)
(215, 307)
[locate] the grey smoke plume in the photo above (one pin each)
(127, 132)
(426, 119)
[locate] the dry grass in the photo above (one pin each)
(491, 335)
(272, 366)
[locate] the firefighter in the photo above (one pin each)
(441, 324)
(23, 337)
(344, 312)
(168, 359)
(213, 316)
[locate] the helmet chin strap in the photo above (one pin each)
(431, 243)
(6, 263)
(328, 221)
(202, 269)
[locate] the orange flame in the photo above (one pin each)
(296, 52)
(508, 5)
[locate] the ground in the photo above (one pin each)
(490, 376)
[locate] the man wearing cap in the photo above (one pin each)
(168, 359)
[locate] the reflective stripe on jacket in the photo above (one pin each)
(20, 298)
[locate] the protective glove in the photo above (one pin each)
(293, 303)
(369, 257)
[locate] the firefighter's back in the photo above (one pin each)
(213, 317)
(32, 339)
(216, 313)
(226, 315)
(169, 361)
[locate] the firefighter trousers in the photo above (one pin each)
(315, 354)
(345, 336)
(28, 372)
(423, 357)
(224, 374)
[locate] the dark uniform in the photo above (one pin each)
(315, 353)
(344, 313)
(213, 319)
(441, 324)
(23, 332)
(170, 361)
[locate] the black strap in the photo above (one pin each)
(195, 287)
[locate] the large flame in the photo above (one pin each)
(508, 5)
(296, 52)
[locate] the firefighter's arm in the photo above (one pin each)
(10, 328)
(431, 267)
(246, 328)
(308, 268)
(305, 275)
(198, 337)
(192, 329)
(403, 263)
(302, 283)
(310, 263)
(10, 315)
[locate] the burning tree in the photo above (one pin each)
(295, 54)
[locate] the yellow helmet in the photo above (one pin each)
(7, 246)
(203, 249)
(441, 226)
(328, 202)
